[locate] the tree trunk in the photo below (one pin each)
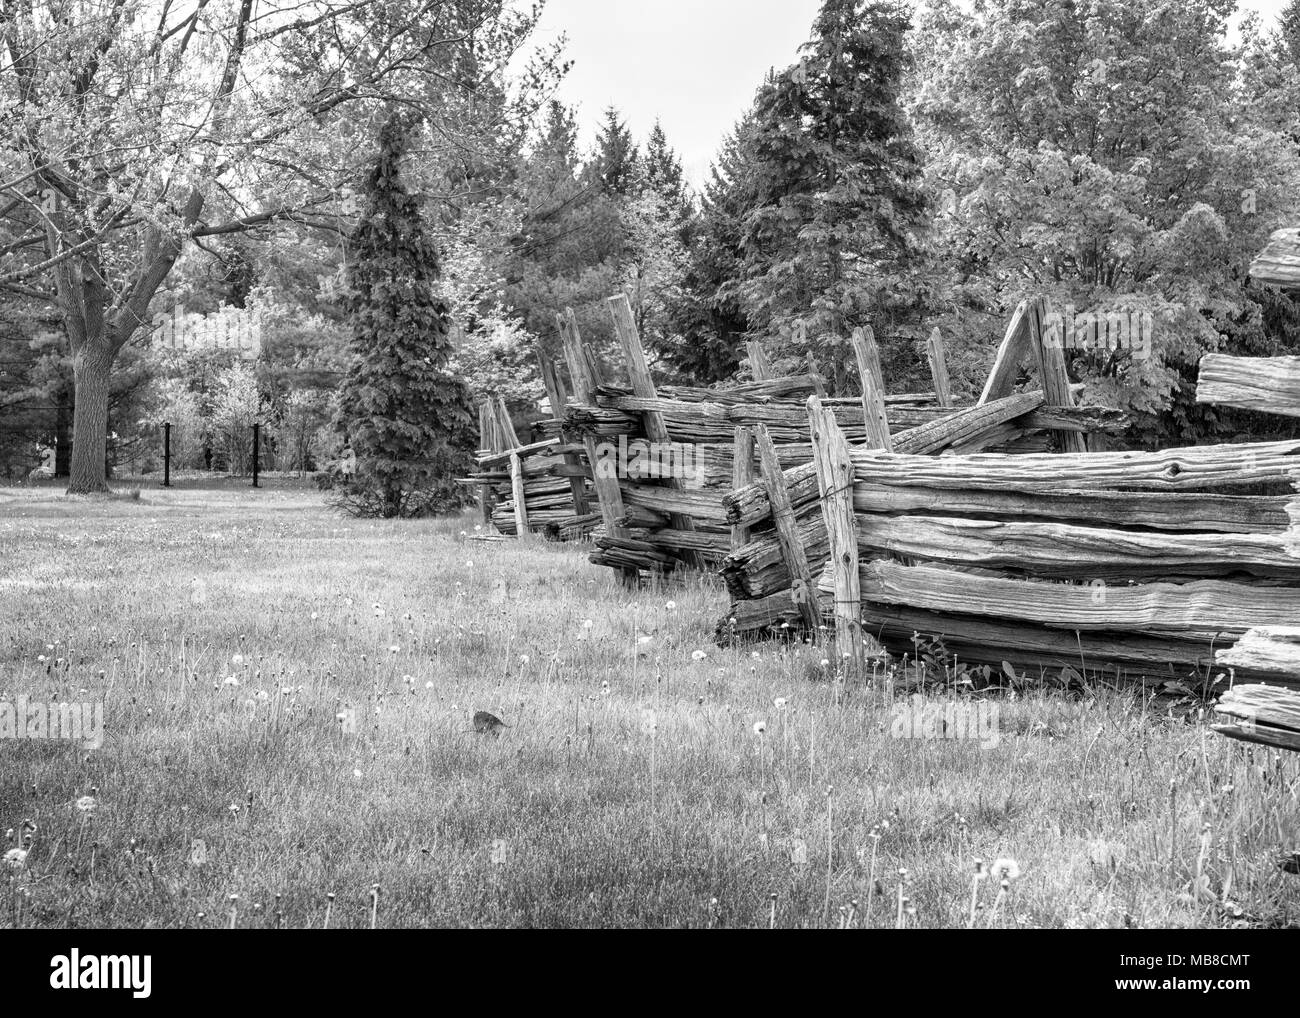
(91, 370)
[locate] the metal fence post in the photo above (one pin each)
(167, 455)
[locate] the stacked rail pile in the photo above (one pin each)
(670, 457)
(782, 541)
(1139, 562)
(539, 487)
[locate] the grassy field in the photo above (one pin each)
(287, 699)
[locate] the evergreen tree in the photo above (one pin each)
(615, 165)
(663, 170)
(839, 196)
(570, 241)
(407, 422)
(712, 321)
(1289, 24)
(556, 150)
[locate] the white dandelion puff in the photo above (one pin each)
(1005, 869)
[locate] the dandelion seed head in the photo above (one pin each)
(1005, 869)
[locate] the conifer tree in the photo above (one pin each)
(663, 170)
(1289, 25)
(712, 320)
(407, 422)
(838, 177)
(616, 159)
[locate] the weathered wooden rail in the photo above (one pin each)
(1170, 565)
(757, 430)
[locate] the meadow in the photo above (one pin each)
(288, 743)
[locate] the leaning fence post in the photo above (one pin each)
(584, 374)
(167, 455)
(620, 309)
(835, 483)
(874, 419)
(1015, 344)
(742, 475)
(517, 484)
(938, 368)
(787, 534)
(555, 394)
(759, 365)
(1055, 377)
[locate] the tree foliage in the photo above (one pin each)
(141, 128)
(1105, 153)
(839, 204)
(406, 420)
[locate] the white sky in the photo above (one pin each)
(693, 63)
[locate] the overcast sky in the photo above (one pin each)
(695, 64)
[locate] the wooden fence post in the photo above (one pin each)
(759, 365)
(787, 532)
(508, 434)
(816, 372)
(643, 386)
(835, 483)
(584, 374)
(517, 484)
(874, 420)
(938, 368)
(742, 474)
(1055, 378)
(1015, 344)
(487, 443)
(555, 394)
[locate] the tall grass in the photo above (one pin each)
(288, 694)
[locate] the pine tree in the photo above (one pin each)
(407, 422)
(712, 319)
(839, 196)
(663, 170)
(1289, 24)
(616, 159)
(557, 146)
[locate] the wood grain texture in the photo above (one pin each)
(1279, 263)
(1204, 605)
(938, 362)
(875, 421)
(1267, 384)
(1069, 551)
(1270, 648)
(1197, 468)
(1011, 354)
(1266, 714)
(835, 487)
(791, 544)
